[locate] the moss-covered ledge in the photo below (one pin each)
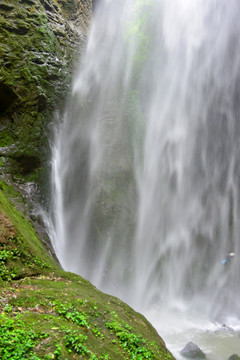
(46, 313)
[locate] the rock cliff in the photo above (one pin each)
(39, 40)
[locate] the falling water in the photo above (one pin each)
(146, 162)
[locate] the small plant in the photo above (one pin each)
(6, 273)
(96, 331)
(76, 342)
(6, 255)
(68, 312)
(57, 352)
(15, 342)
(134, 344)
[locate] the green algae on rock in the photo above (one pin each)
(21, 253)
(38, 40)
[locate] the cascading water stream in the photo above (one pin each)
(146, 162)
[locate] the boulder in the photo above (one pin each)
(234, 357)
(227, 328)
(192, 351)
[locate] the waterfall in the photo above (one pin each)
(146, 160)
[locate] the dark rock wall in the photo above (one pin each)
(39, 40)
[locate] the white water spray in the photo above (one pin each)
(146, 164)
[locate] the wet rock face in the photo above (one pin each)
(38, 42)
(234, 357)
(192, 351)
(7, 98)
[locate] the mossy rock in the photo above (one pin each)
(63, 316)
(39, 40)
(47, 313)
(21, 253)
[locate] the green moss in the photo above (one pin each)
(8, 190)
(28, 253)
(80, 321)
(36, 67)
(15, 343)
(6, 138)
(47, 313)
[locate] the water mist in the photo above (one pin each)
(146, 162)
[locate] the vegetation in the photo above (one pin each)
(46, 313)
(56, 317)
(38, 42)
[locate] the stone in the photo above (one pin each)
(192, 351)
(6, 6)
(234, 357)
(227, 328)
(7, 97)
(38, 42)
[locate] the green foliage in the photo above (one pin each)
(15, 252)
(69, 313)
(134, 344)
(50, 314)
(6, 255)
(6, 274)
(58, 351)
(8, 190)
(75, 342)
(63, 309)
(15, 342)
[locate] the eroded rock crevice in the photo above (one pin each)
(7, 98)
